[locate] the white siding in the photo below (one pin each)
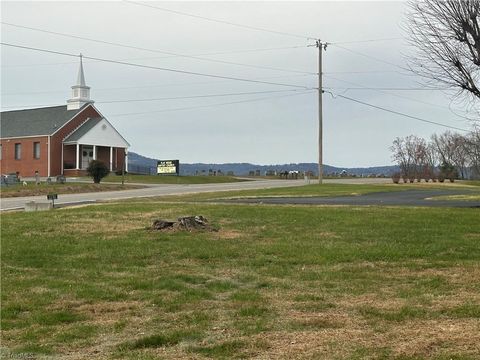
(103, 134)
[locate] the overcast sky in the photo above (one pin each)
(277, 125)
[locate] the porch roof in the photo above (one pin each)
(96, 131)
(82, 130)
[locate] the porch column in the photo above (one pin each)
(126, 160)
(94, 152)
(78, 157)
(111, 158)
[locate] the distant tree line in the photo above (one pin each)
(445, 156)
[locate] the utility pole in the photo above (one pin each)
(321, 46)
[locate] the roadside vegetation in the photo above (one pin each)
(31, 189)
(109, 183)
(158, 179)
(276, 282)
(471, 187)
(465, 197)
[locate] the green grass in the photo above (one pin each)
(159, 340)
(316, 190)
(69, 188)
(465, 197)
(273, 282)
(161, 179)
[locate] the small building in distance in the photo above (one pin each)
(60, 140)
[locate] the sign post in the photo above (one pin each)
(168, 167)
(52, 197)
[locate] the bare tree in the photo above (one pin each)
(447, 155)
(446, 34)
(452, 150)
(431, 161)
(473, 151)
(401, 156)
(411, 154)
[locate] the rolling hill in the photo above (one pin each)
(140, 164)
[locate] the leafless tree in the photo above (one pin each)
(446, 35)
(473, 151)
(401, 156)
(431, 161)
(411, 154)
(446, 154)
(452, 150)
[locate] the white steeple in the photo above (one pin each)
(80, 91)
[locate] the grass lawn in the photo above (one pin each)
(466, 197)
(157, 179)
(69, 188)
(274, 282)
(323, 190)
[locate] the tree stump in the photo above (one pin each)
(162, 224)
(192, 222)
(188, 223)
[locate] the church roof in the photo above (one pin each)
(82, 130)
(32, 122)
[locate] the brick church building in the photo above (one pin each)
(60, 140)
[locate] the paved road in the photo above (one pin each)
(151, 190)
(400, 198)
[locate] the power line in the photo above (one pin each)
(155, 50)
(398, 113)
(383, 91)
(368, 56)
(213, 105)
(163, 98)
(223, 21)
(168, 57)
(151, 86)
(154, 67)
(369, 72)
(194, 96)
(365, 41)
(388, 89)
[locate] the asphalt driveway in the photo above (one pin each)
(394, 198)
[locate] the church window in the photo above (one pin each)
(36, 150)
(18, 151)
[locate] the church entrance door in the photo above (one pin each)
(87, 156)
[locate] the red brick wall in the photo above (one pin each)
(103, 154)
(119, 157)
(56, 146)
(27, 165)
(69, 152)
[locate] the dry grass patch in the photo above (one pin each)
(430, 338)
(417, 339)
(228, 234)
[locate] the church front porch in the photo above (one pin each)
(77, 157)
